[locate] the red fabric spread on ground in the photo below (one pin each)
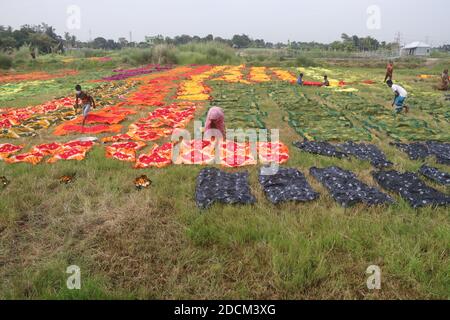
(47, 149)
(124, 151)
(232, 154)
(16, 116)
(159, 157)
(312, 83)
(7, 149)
(73, 150)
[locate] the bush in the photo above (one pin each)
(22, 56)
(6, 61)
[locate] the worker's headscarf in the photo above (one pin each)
(215, 120)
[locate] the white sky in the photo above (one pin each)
(272, 20)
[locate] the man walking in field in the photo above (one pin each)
(400, 97)
(389, 71)
(86, 100)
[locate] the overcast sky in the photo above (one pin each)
(272, 20)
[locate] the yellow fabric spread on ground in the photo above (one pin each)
(194, 89)
(258, 74)
(284, 75)
(233, 74)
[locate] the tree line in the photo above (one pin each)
(43, 39)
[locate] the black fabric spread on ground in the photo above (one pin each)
(320, 148)
(411, 188)
(287, 185)
(441, 150)
(366, 152)
(415, 151)
(214, 185)
(435, 175)
(346, 189)
(422, 150)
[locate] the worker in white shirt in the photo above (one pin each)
(400, 97)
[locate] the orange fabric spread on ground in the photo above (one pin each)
(157, 87)
(160, 123)
(107, 118)
(32, 76)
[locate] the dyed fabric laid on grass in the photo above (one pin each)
(38, 75)
(195, 89)
(346, 189)
(24, 122)
(124, 151)
(160, 123)
(422, 150)
(157, 157)
(231, 154)
(214, 185)
(411, 188)
(104, 120)
(122, 74)
(7, 149)
(435, 174)
(73, 150)
(287, 185)
(368, 152)
(320, 148)
(28, 157)
(259, 74)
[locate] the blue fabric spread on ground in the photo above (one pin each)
(346, 189)
(366, 152)
(422, 150)
(320, 148)
(287, 185)
(435, 175)
(214, 185)
(411, 188)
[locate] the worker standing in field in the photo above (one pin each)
(215, 120)
(86, 101)
(444, 79)
(389, 71)
(325, 83)
(300, 79)
(400, 97)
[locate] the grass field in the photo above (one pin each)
(156, 244)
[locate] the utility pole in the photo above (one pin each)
(131, 37)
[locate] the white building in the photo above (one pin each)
(416, 49)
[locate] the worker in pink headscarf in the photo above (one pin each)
(215, 120)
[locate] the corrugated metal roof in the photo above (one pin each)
(417, 44)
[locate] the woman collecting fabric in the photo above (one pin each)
(215, 120)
